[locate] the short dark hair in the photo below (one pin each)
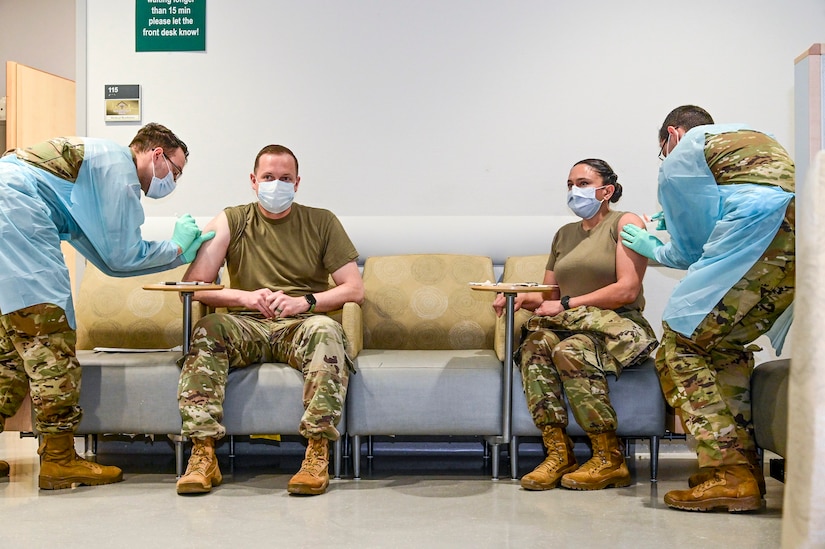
(686, 117)
(609, 177)
(155, 135)
(275, 149)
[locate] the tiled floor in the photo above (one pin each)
(401, 501)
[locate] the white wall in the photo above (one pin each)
(445, 107)
(38, 33)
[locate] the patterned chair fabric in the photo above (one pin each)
(118, 312)
(424, 302)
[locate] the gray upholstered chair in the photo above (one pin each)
(427, 366)
(136, 392)
(636, 395)
(769, 408)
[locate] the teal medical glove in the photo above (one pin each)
(186, 231)
(640, 241)
(660, 217)
(189, 255)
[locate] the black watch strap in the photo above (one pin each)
(565, 301)
(311, 300)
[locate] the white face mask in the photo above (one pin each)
(583, 201)
(276, 196)
(668, 145)
(159, 188)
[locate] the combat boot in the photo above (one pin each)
(560, 460)
(604, 469)
(4, 469)
(61, 467)
(313, 478)
(732, 487)
(706, 473)
(202, 471)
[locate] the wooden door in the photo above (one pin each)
(39, 106)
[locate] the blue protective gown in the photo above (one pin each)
(99, 214)
(718, 232)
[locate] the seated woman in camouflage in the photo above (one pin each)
(591, 326)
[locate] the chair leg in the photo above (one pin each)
(336, 463)
(370, 447)
(88, 444)
(654, 458)
(178, 440)
(356, 457)
(496, 455)
(514, 457)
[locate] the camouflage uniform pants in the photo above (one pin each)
(37, 354)
(550, 366)
(707, 376)
(220, 342)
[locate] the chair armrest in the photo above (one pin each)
(353, 324)
(200, 310)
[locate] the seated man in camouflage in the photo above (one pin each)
(279, 256)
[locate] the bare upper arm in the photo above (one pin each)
(212, 253)
(349, 278)
(628, 262)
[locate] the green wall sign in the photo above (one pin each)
(170, 25)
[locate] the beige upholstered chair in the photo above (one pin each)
(136, 392)
(427, 366)
(118, 312)
(636, 395)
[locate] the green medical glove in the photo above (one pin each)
(189, 255)
(660, 217)
(186, 231)
(640, 241)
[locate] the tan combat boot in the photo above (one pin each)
(560, 460)
(4, 469)
(61, 467)
(604, 469)
(732, 487)
(706, 473)
(202, 471)
(313, 478)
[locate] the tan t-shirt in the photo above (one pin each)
(295, 254)
(584, 261)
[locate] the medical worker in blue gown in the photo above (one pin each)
(87, 192)
(727, 195)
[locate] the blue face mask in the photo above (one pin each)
(276, 196)
(583, 201)
(159, 188)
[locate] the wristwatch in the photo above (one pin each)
(565, 302)
(311, 300)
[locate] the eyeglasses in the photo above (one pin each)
(662, 151)
(176, 171)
